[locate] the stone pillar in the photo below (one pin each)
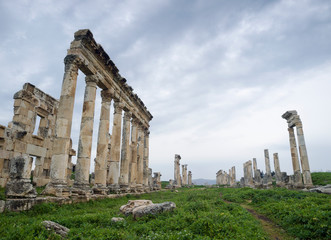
(189, 178)
(307, 181)
(150, 179)
(115, 148)
(248, 177)
(100, 168)
(184, 174)
(233, 176)
(125, 152)
(177, 181)
(146, 158)
(254, 167)
(267, 179)
(295, 159)
(61, 146)
(140, 158)
(133, 147)
(85, 137)
(277, 169)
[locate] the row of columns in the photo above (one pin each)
(185, 179)
(126, 166)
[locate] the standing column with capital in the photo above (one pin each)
(115, 152)
(307, 181)
(100, 168)
(85, 137)
(177, 181)
(125, 152)
(146, 159)
(133, 148)
(295, 159)
(140, 160)
(61, 146)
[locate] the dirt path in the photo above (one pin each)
(275, 232)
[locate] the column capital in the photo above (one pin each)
(72, 59)
(91, 80)
(127, 114)
(106, 95)
(118, 107)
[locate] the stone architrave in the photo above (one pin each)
(267, 179)
(293, 120)
(125, 152)
(177, 180)
(58, 185)
(86, 132)
(277, 170)
(115, 153)
(100, 168)
(189, 179)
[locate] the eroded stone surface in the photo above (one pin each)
(57, 228)
(132, 204)
(153, 209)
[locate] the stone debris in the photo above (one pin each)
(153, 209)
(57, 228)
(132, 204)
(322, 189)
(117, 219)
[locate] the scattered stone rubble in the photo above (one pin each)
(40, 132)
(57, 228)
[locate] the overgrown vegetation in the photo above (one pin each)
(2, 193)
(303, 215)
(200, 214)
(321, 178)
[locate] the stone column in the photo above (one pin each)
(125, 152)
(140, 158)
(115, 150)
(133, 147)
(189, 178)
(277, 170)
(254, 167)
(61, 146)
(146, 158)
(233, 176)
(267, 179)
(177, 181)
(183, 175)
(248, 174)
(85, 137)
(303, 156)
(100, 168)
(295, 159)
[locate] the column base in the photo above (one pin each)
(100, 189)
(81, 189)
(114, 188)
(139, 188)
(57, 189)
(124, 188)
(20, 188)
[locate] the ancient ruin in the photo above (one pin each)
(180, 180)
(248, 175)
(222, 178)
(177, 179)
(40, 132)
(293, 120)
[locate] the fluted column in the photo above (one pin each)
(146, 157)
(86, 132)
(61, 146)
(295, 159)
(115, 146)
(303, 156)
(100, 168)
(133, 148)
(125, 152)
(140, 160)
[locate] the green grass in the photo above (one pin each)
(200, 214)
(321, 178)
(303, 215)
(2, 193)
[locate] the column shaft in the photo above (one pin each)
(295, 158)
(146, 157)
(125, 152)
(133, 147)
(86, 132)
(100, 168)
(303, 156)
(140, 160)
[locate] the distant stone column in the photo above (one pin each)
(133, 147)
(295, 158)
(233, 176)
(140, 158)
(115, 147)
(177, 181)
(146, 158)
(184, 173)
(254, 167)
(125, 152)
(267, 179)
(248, 174)
(303, 156)
(189, 179)
(277, 169)
(85, 138)
(100, 168)
(61, 146)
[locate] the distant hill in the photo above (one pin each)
(201, 181)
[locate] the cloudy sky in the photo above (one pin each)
(216, 75)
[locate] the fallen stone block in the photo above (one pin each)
(117, 219)
(153, 209)
(57, 228)
(132, 204)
